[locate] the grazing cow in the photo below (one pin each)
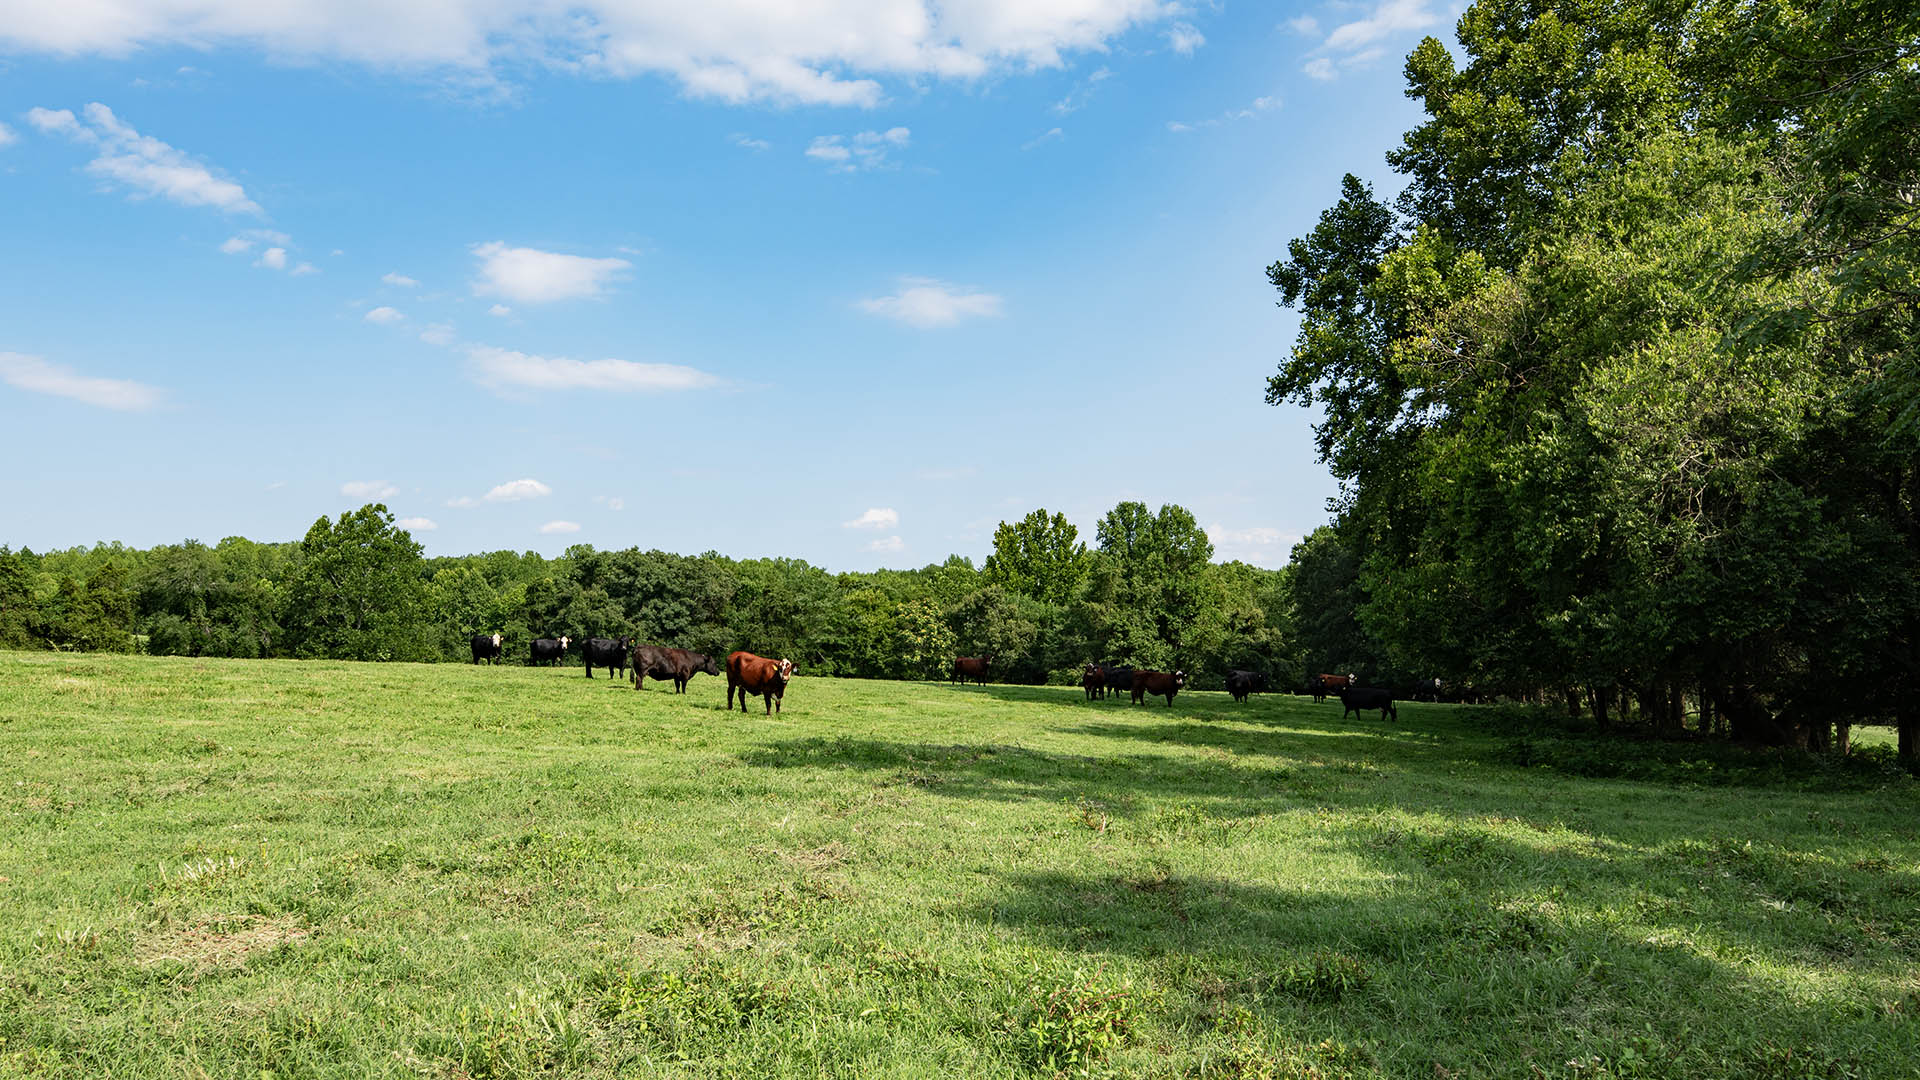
(1157, 683)
(650, 661)
(547, 650)
(1322, 685)
(609, 653)
(1094, 683)
(1117, 678)
(971, 667)
(1427, 690)
(750, 674)
(1357, 698)
(687, 664)
(486, 647)
(1242, 683)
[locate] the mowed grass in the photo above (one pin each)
(277, 869)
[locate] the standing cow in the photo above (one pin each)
(750, 674)
(486, 647)
(547, 650)
(1322, 685)
(650, 662)
(1242, 683)
(687, 664)
(1157, 684)
(1356, 698)
(971, 667)
(609, 653)
(1094, 683)
(1116, 678)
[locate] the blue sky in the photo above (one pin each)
(847, 280)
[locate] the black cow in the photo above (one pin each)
(687, 664)
(1242, 683)
(1157, 683)
(1427, 689)
(609, 653)
(547, 650)
(486, 647)
(971, 667)
(1117, 678)
(1357, 698)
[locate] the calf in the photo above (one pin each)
(486, 647)
(547, 650)
(750, 674)
(1357, 698)
(1157, 683)
(1242, 683)
(609, 653)
(1093, 682)
(971, 667)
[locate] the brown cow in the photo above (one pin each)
(1093, 682)
(1322, 685)
(971, 667)
(752, 674)
(1157, 683)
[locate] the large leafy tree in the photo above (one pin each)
(359, 591)
(1039, 556)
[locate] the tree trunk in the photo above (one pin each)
(1573, 703)
(1843, 737)
(1600, 695)
(1676, 709)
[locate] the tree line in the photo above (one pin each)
(1623, 387)
(358, 587)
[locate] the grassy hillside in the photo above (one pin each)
(278, 869)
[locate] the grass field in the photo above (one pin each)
(262, 869)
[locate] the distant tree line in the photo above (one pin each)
(1623, 388)
(359, 588)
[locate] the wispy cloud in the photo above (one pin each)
(7, 137)
(1183, 38)
(887, 544)
(438, 334)
(748, 142)
(398, 279)
(504, 368)
(927, 303)
(611, 502)
(1304, 25)
(532, 276)
(1259, 545)
(417, 524)
(553, 528)
(1245, 112)
(368, 489)
(1359, 42)
(1082, 92)
(384, 316)
(1045, 137)
(141, 165)
(499, 311)
(859, 152)
(35, 374)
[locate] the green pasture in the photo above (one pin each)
(278, 869)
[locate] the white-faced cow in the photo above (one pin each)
(486, 647)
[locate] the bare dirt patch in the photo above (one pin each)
(223, 942)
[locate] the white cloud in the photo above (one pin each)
(438, 334)
(504, 368)
(499, 311)
(368, 489)
(925, 303)
(1319, 68)
(747, 142)
(880, 517)
(1047, 136)
(397, 278)
(553, 527)
(274, 258)
(303, 270)
(7, 137)
(860, 151)
(1078, 97)
(824, 52)
(417, 524)
(532, 276)
(611, 502)
(34, 373)
(463, 501)
(235, 245)
(1390, 17)
(384, 316)
(1260, 546)
(887, 544)
(517, 491)
(1183, 38)
(1304, 25)
(1246, 112)
(143, 165)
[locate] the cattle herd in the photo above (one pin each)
(758, 676)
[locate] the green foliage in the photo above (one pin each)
(1038, 556)
(358, 591)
